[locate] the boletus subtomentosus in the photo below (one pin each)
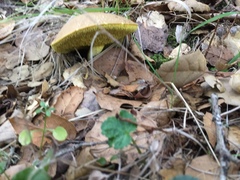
(79, 31)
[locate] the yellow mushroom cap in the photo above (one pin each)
(79, 31)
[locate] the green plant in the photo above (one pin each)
(118, 129)
(59, 133)
(159, 60)
(37, 171)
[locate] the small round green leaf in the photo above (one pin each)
(59, 133)
(25, 137)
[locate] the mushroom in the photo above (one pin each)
(79, 31)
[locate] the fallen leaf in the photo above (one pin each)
(232, 41)
(205, 168)
(210, 128)
(137, 71)
(75, 74)
(193, 5)
(185, 49)
(189, 68)
(33, 45)
(214, 82)
(68, 101)
(230, 96)
(113, 60)
(234, 82)
(136, 51)
(233, 138)
(42, 71)
(218, 56)
(19, 73)
(116, 103)
(6, 28)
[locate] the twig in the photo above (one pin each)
(224, 155)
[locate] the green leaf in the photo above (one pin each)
(3, 166)
(31, 173)
(38, 111)
(126, 115)
(43, 104)
(25, 137)
(118, 131)
(102, 161)
(59, 133)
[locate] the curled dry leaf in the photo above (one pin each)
(193, 5)
(230, 96)
(214, 82)
(189, 68)
(234, 82)
(6, 28)
(185, 49)
(79, 31)
(75, 74)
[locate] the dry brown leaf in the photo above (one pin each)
(33, 45)
(116, 103)
(74, 172)
(234, 82)
(177, 169)
(219, 56)
(190, 67)
(7, 132)
(51, 123)
(19, 73)
(210, 128)
(205, 168)
(135, 50)
(185, 49)
(113, 60)
(111, 81)
(68, 102)
(42, 71)
(137, 71)
(234, 138)
(156, 111)
(230, 96)
(214, 82)
(9, 56)
(6, 28)
(75, 74)
(193, 5)
(97, 175)
(232, 41)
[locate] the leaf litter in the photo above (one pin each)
(175, 128)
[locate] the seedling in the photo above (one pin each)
(118, 129)
(59, 133)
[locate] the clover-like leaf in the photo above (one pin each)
(118, 129)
